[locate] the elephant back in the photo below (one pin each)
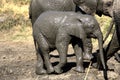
(39, 6)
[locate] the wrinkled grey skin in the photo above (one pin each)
(114, 44)
(109, 8)
(56, 30)
(100, 7)
(39, 6)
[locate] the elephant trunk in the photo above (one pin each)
(101, 54)
(101, 58)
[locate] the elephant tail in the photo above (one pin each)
(30, 10)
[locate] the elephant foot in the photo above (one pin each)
(95, 65)
(40, 71)
(50, 70)
(79, 69)
(58, 69)
(87, 56)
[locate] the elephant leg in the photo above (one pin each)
(88, 50)
(116, 15)
(62, 43)
(44, 48)
(79, 57)
(39, 66)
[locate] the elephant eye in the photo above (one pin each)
(109, 3)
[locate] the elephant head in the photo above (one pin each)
(108, 7)
(95, 6)
(93, 30)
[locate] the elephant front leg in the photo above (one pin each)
(79, 58)
(62, 50)
(62, 43)
(88, 50)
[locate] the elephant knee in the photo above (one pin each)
(63, 62)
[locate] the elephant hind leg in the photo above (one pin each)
(39, 66)
(88, 50)
(44, 49)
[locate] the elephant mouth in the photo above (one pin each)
(107, 13)
(93, 36)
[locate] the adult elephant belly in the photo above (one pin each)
(39, 6)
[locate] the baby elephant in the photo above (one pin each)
(56, 30)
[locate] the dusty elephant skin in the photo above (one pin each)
(39, 6)
(55, 30)
(114, 44)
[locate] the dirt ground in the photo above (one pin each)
(18, 59)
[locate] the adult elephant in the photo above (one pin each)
(39, 6)
(114, 44)
(109, 8)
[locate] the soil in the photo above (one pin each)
(18, 60)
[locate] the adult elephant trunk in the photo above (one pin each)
(101, 55)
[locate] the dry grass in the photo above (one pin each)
(15, 23)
